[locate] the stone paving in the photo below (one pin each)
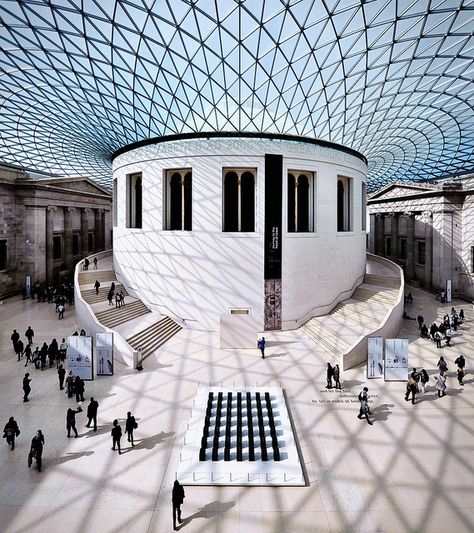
(411, 471)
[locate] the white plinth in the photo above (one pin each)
(286, 472)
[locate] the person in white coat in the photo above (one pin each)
(441, 385)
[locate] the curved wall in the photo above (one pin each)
(198, 275)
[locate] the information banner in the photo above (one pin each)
(396, 359)
(374, 357)
(104, 352)
(79, 356)
(448, 291)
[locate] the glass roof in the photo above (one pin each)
(392, 79)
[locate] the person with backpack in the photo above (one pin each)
(412, 387)
(443, 367)
(10, 431)
(438, 337)
(424, 378)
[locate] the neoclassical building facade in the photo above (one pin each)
(49, 224)
(428, 229)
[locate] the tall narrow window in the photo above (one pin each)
(114, 201)
(403, 248)
(57, 247)
(134, 200)
(178, 200)
(388, 246)
(344, 204)
(472, 260)
(3, 254)
(300, 202)
(239, 200)
(363, 203)
(75, 244)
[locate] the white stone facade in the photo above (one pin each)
(199, 275)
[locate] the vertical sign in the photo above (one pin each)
(396, 359)
(374, 357)
(104, 352)
(79, 356)
(273, 233)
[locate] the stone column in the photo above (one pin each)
(380, 217)
(68, 258)
(394, 252)
(84, 232)
(410, 261)
(49, 243)
(98, 230)
(427, 218)
(107, 230)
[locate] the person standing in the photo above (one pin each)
(261, 346)
(448, 334)
(461, 316)
(20, 348)
(27, 353)
(92, 413)
(15, 337)
(424, 378)
(29, 334)
(71, 421)
(61, 376)
(421, 320)
(336, 374)
(364, 405)
(79, 389)
(10, 431)
(177, 497)
(26, 387)
(61, 310)
(438, 338)
(122, 299)
(36, 450)
(95, 263)
(110, 297)
(97, 286)
(130, 425)
(460, 361)
(443, 367)
(441, 385)
(329, 374)
(116, 435)
(63, 350)
(70, 384)
(412, 388)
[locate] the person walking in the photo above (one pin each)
(27, 354)
(95, 263)
(460, 375)
(364, 405)
(19, 349)
(461, 316)
(443, 367)
(460, 361)
(10, 432)
(63, 350)
(36, 450)
(420, 320)
(26, 387)
(122, 299)
(261, 346)
(92, 413)
(97, 286)
(70, 384)
(412, 388)
(110, 297)
(329, 374)
(448, 335)
(29, 334)
(130, 425)
(424, 378)
(177, 497)
(61, 376)
(79, 389)
(15, 337)
(424, 334)
(441, 384)
(336, 375)
(71, 421)
(61, 310)
(116, 435)
(438, 338)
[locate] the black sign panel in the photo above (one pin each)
(273, 215)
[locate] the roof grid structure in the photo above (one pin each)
(392, 79)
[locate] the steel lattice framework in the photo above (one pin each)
(390, 78)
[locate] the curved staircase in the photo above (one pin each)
(149, 334)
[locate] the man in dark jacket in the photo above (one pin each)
(61, 376)
(29, 334)
(92, 413)
(71, 421)
(10, 431)
(15, 337)
(116, 436)
(26, 387)
(130, 425)
(97, 286)
(329, 374)
(36, 450)
(177, 498)
(79, 389)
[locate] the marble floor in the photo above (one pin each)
(412, 471)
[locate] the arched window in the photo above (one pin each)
(344, 204)
(178, 200)
(300, 194)
(239, 200)
(134, 201)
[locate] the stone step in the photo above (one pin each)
(365, 294)
(151, 338)
(91, 297)
(85, 278)
(115, 316)
(382, 281)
